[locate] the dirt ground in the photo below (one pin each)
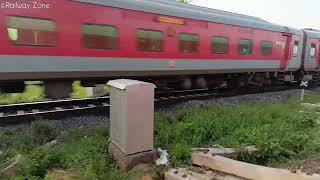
(62, 175)
(309, 165)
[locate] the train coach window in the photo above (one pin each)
(220, 45)
(245, 47)
(313, 50)
(189, 43)
(319, 53)
(31, 31)
(100, 36)
(295, 48)
(266, 48)
(148, 40)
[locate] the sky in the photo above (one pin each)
(293, 13)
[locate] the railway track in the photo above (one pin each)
(26, 112)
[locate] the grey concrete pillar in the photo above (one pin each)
(131, 122)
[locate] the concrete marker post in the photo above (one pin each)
(304, 84)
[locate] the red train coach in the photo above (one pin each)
(311, 55)
(159, 41)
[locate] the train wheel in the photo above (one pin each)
(200, 82)
(185, 83)
(58, 89)
(88, 83)
(232, 83)
(161, 84)
(13, 87)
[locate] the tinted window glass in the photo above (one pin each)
(266, 48)
(31, 32)
(296, 48)
(219, 45)
(100, 36)
(245, 46)
(148, 40)
(189, 43)
(313, 50)
(319, 53)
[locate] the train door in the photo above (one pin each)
(284, 50)
(312, 54)
(318, 54)
(283, 54)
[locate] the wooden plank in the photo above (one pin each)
(59, 109)
(21, 112)
(35, 110)
(105, 104)
(246, 170)
(164, 98)
(9, 167)
(92, 105)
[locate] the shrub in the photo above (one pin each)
(37, 163)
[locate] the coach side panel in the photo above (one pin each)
(312, 58)
(248, 50)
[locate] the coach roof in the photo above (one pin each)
(312, 34)
(172, 8)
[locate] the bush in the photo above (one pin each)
(37, 163)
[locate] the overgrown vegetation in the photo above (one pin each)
(31, 94)
(78, 91)
(82, 151)
(280, 132)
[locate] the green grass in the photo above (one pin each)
(280, 132)
(79, 92)
(312, 97)
(81, 150)
(31, 94)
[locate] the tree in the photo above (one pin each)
(184, 1)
